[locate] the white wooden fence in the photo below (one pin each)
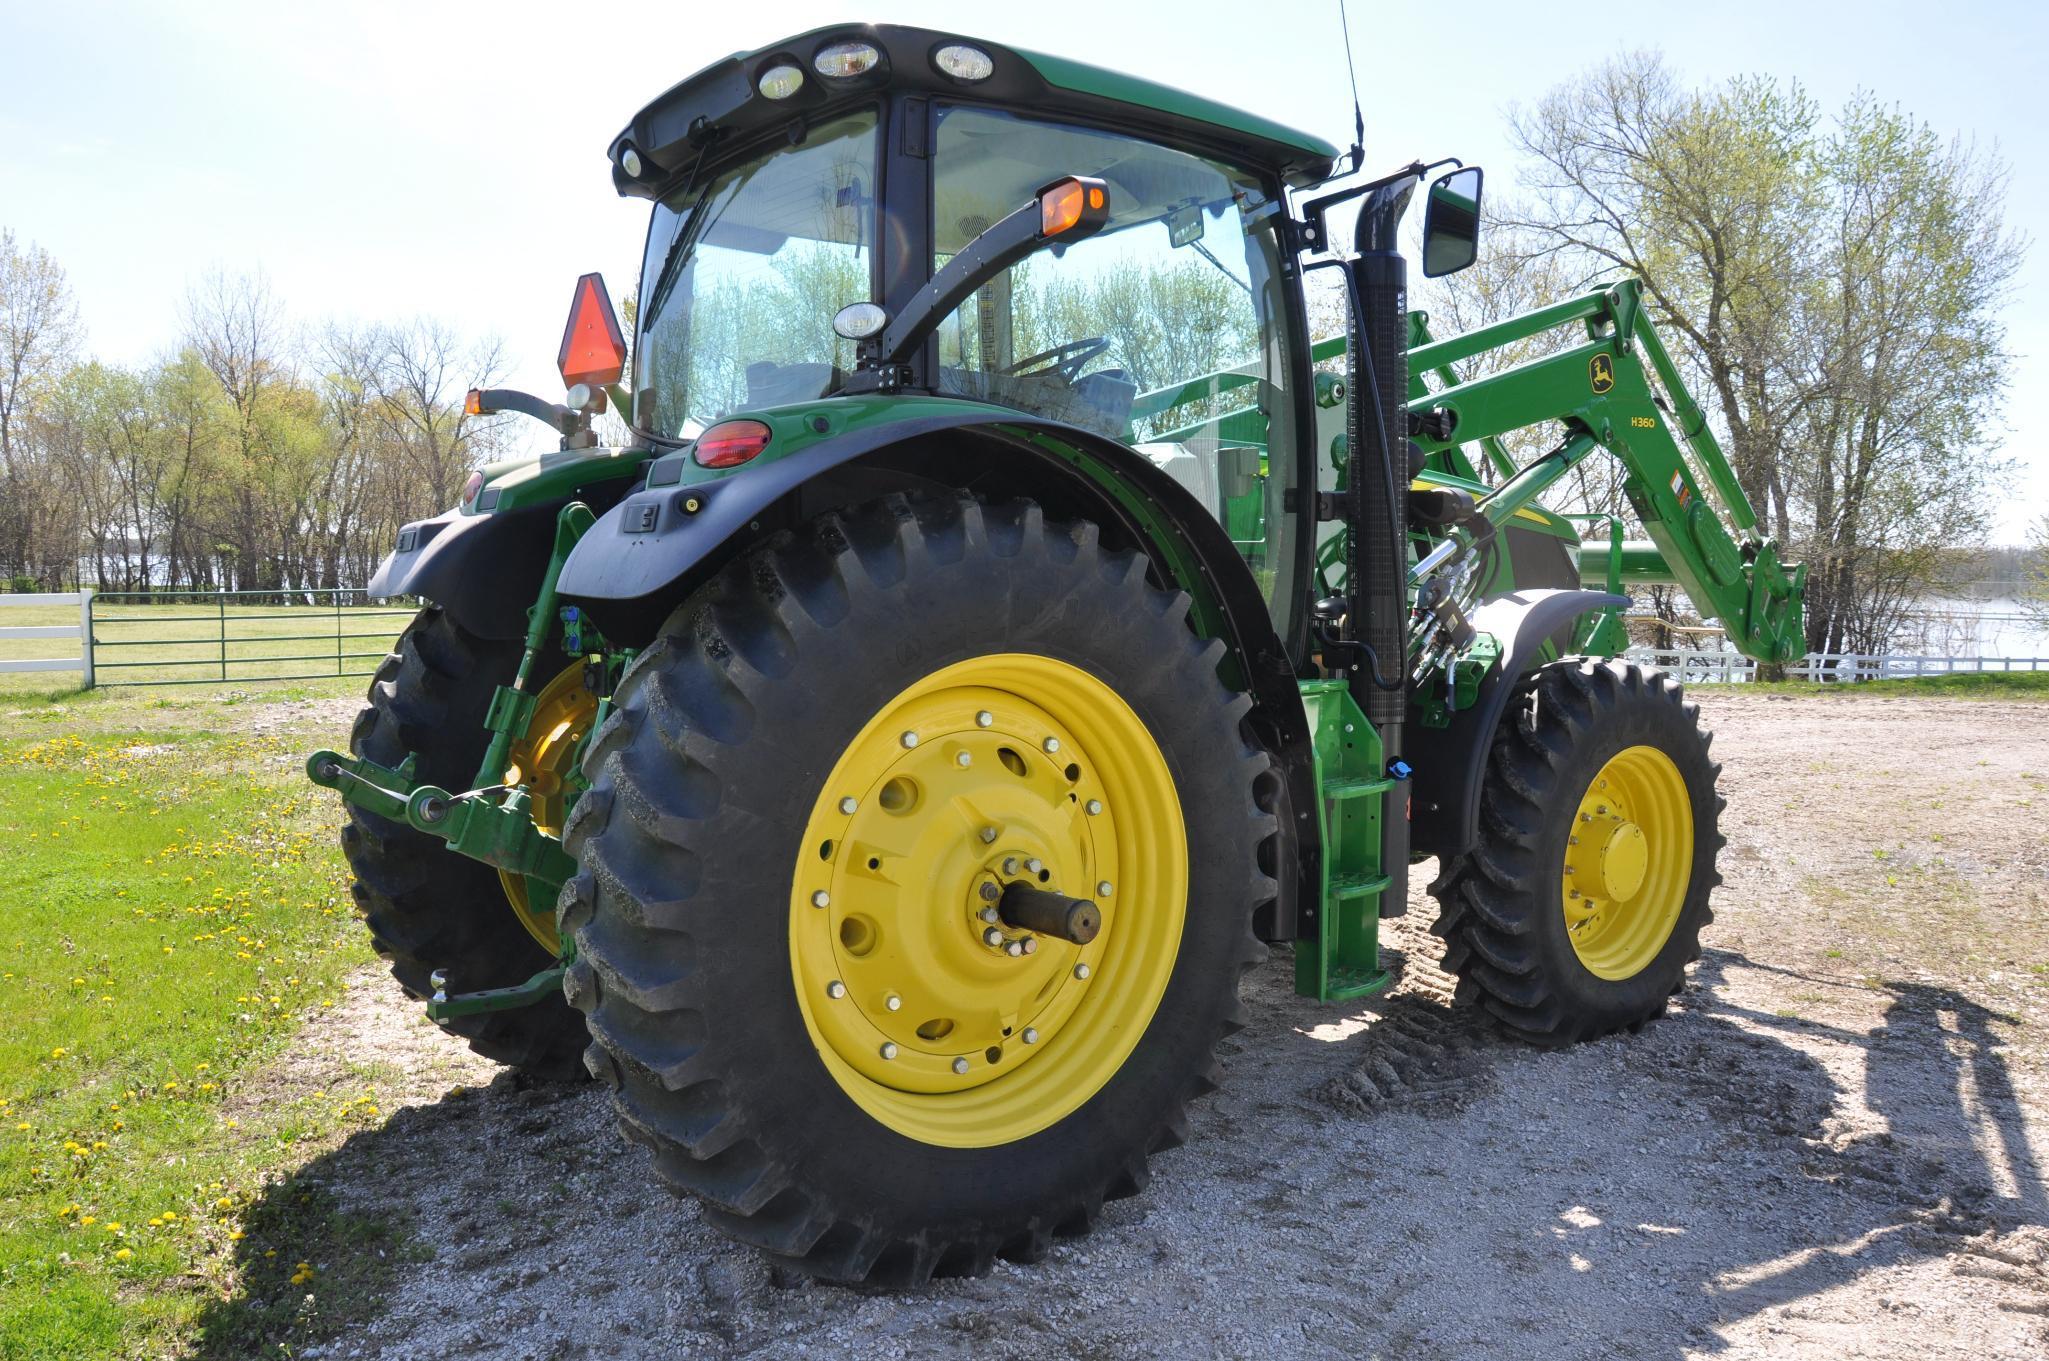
(82, 630)
(1691, 666)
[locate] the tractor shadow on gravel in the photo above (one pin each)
(1758, 1179)
(1415, 1186)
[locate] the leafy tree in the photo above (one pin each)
(1832, 287)
(2035, 572)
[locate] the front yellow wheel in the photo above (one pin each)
(937, 1016)
(1581, 901)
(1628, 858)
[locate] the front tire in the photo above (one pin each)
(782, 948)
(1582, 901)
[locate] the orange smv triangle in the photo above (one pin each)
(593, 351)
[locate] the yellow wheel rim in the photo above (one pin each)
(542, 760)
(1628, 862)
(947, 1027)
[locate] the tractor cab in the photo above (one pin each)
(845, 170)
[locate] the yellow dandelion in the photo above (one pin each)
(122, 1254)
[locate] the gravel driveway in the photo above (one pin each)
(1832, 1147)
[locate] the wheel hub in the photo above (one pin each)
(955, 808)
(931, 954)
(1617, 867)
(543, 759)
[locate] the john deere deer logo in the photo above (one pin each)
(1601, 372)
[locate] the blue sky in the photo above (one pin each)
(379, 159)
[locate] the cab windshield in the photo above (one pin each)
(745, 269)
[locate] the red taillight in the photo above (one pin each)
(472, 487)
(731, 443)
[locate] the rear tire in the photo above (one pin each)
(699, 874)
(427, 907)
(1526, 931)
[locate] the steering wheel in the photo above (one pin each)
(1067, 360)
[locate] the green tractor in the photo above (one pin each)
(1004, 621)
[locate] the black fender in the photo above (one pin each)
(1451, 763)
(626, 577)
(482, 570)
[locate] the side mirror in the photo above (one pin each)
(1451, 223)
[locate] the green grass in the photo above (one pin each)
(1958, 685)
(175, 909)
(188, 642)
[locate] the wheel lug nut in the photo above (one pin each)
(988, 914)
(848, 805)
(1031, 945)
(1103, 889)
(821, 899)
(835, 990)
(1014, 949)
(1010, 864)
(960, 1067)
(1031, 1036)
(1034, 866)
(992, 937)
(894, 1002)
(909, 739)
(963, 760)
(1094, 806)
(984, 719)
(1052, 744)
(990, 893)
(889, 1049)
(1081, 971)
(988, 835)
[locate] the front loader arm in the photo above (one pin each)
(1602, 393)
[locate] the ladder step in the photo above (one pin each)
(1347, 886)
(1355, 789)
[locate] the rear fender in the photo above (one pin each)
(1451, 763)
(482, 562)
(482, 570)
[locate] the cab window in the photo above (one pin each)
(1166, 330)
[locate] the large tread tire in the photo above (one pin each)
(428, 908)
(1499, 911)
(722, 733)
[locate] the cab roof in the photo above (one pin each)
(721, 104)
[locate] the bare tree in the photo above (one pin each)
(39, 333)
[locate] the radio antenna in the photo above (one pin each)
(1358, 118)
